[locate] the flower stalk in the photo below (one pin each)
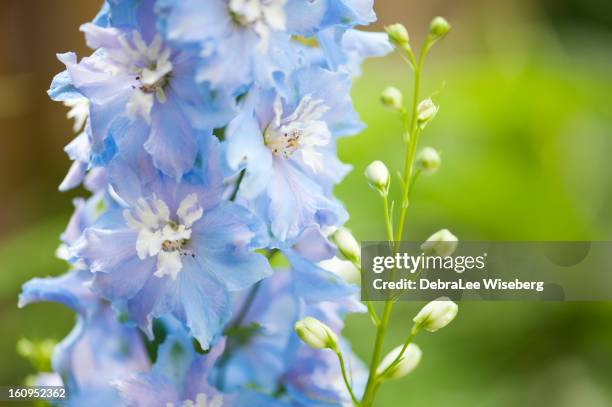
(414, 123)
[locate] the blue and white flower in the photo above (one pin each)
(137, 82)
(161, 240)
(250, 41)
(285, 142)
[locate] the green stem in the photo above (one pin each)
(412, 145)
(237, 187)
(387, 219)
(368, 396)
(373, 382)
(366, 299)
(345, 377)
(413, 332)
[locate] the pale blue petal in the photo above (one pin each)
(205, 305)
(173, 155)
(105, 249)
(156, 299)
(223, 242)
(187, 20)
(125, 279)
(68, 289)
(148, 390)
(315, 284)
(245, 149)
(61, 87)
(313, 246)
(74, 177)
(297, 202)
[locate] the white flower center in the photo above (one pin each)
(263, 16)
(160, 236)
(202, 401)
(303, 131)
(152, 68)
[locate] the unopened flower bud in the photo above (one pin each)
(391, 97)
(426, 111)
(437, 314)
(343, 269)
(316, 334)
(408, 362)
(442, 243)
(428, 160)
(347, 244)
(377, 175)
(398, 34)
(439, 27)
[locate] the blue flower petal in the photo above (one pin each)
(173, 155)
(68, 289)
(205, 305)
(223, 242)
(245, 147)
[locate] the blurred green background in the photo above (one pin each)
(525, 133)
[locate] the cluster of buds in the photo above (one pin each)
(403, 359)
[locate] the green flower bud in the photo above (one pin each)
(378, 177)
(428, 160)
(392, 98)
(442, 243)
(426, 111)
(347, 244)
(437, 314)
(439, 27)
(316, 334)
(398, 34)
(408, 362)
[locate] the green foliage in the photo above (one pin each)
(38, 353)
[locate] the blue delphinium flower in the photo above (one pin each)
(285, 142)
(137, 82)
(264, 345)
(161, 238)
(180, 378)
(173, 248)
(177, 377)
(97, 351)
(250, 41)
(240, 40)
